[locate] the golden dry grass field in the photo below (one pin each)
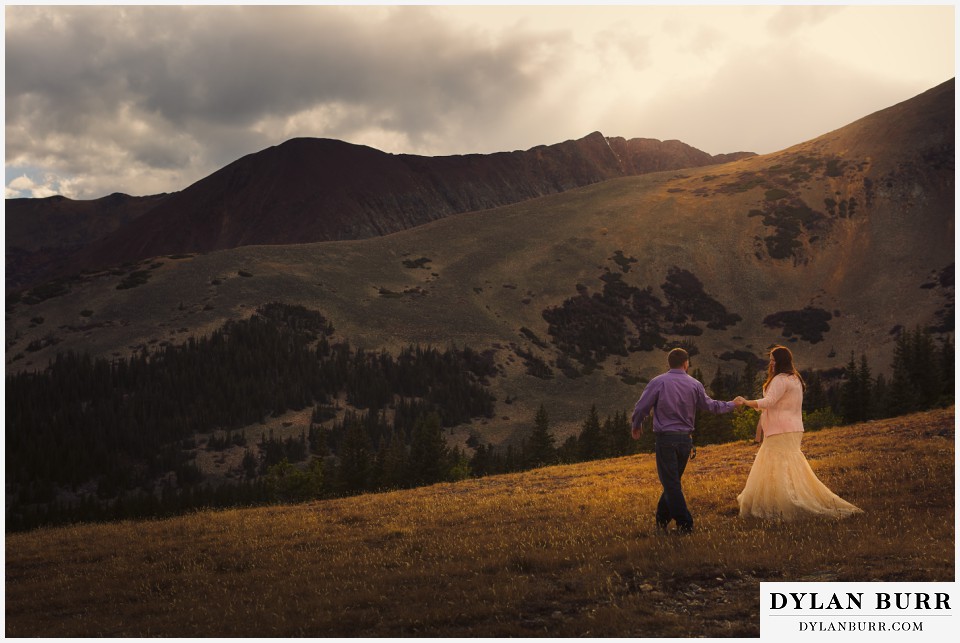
(559, 551)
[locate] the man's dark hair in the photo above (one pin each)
(677, 357)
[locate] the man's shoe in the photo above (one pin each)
(684, 530)
(662, 526)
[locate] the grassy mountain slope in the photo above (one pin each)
(307, 190)
(560, 551)
(856, 226)
(41, 233)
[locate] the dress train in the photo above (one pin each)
(781, 484)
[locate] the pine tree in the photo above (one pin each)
(947, 370)
(814, 397)
(353, 473)
(319, 438)
(458, 466)
(917, 373)
(904, 392)
(881, 392)
(249, 464)
(377, 467)
(718, 386)
(394, 474)
(315, 478)
(851, 403)
(482, 461)
(569, 451)
(428, 451)
(926, 368)
(865, 394)
(616, 438)
(589, 443)
(748, 386)
(540, 448)
(711, 428)
(511, 460)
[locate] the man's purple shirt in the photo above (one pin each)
(676, 397)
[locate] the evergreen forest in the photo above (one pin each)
(91, 439)
(94, 439)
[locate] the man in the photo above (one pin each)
(674, 398)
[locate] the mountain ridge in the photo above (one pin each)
(42, 233)
(306, 190)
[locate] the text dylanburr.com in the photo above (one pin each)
(845, 610)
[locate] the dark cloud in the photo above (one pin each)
(174, 86)
(150, 99)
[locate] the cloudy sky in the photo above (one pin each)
(145, 100)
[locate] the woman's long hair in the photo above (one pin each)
(782, 363)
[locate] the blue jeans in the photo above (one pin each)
(673, 451)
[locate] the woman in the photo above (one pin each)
(781, 483)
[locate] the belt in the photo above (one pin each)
(672, 432)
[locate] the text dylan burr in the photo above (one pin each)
(855, 600)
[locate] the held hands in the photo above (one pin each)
(739, 400)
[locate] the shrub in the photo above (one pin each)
(535, 365)
(417, 263)
(690, 330)
(134, 279)
(741, 355)
(782, 244)
(809, 323)
(587, 328)
(296, 317)
(623, 261)
(567, 367)
(46, 291)
(789, 220)
(532, 336)
(745, 182)
(821, 418)
(687, 297)
(287, 483)
(39, 344)
(745, 423)
(591, 327)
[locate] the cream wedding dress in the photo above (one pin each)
(781, 484)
